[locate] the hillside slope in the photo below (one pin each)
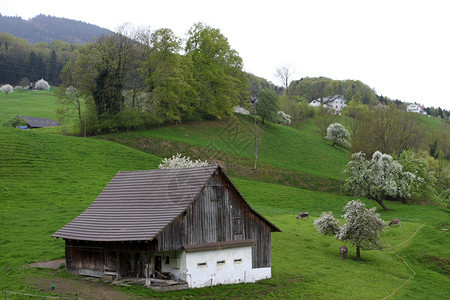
(285, 155)
(44, 28)
(46, 180)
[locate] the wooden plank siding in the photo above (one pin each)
(85, 255)
(218, 215)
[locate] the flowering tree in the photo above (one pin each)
(41, 84)
(377, 178)
(338, 135)
(362, 227)
(6, 88)
(284, 118)
(327, 224)
(177, 162)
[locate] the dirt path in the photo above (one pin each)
(73, 288)
(77, 288)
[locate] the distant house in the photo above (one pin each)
(336, 102)
(33, 122)
(191, 225)
(416, 108)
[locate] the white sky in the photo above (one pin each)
(399, 48)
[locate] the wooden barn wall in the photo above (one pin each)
(84, 256)
(91, 255)
(218, 215)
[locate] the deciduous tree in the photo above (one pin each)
(338, 135)
(362, 228)
(220, 81)
(267, 107)
(377, 178)
(388, 130)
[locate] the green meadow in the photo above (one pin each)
(46, 180)
(40, 104)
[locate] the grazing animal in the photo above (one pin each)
(395, 221)
(303, 215)
(344, 251)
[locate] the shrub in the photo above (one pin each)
(177, 162)
(42, 85)
(6, 88)
(16, 121)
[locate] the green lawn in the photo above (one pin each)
(40, 104)
(46, 180)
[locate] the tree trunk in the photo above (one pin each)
(380, 201)
(358, 253)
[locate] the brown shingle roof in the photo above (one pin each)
(39, 122)
(138, 205)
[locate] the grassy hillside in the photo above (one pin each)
(40, 104)
(285, 155)
(46, 180)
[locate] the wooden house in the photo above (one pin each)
(191, 225)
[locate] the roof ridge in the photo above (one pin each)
(153, 170)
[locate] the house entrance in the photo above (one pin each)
(158, 264)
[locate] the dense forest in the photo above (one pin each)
(46, 29)
(22, 63)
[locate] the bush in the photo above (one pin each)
(6, 88)
(42, 85)
(177, 162)
(16, 121)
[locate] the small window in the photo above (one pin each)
(203, 264)
(167, 260)
(220, 262)
(239, 260)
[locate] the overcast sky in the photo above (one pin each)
(399, 48)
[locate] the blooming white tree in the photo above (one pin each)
(177, 162)
(6, 88)
(327, 224)
(377, 178)
(284, 118)
(338, 135)
(362, 228)
(41, 84)
(71, 91)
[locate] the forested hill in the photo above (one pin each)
(44, 28)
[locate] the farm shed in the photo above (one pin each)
(190, 225)
(33, 122)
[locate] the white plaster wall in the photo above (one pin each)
(223, 273)
(213, 273)
(260, 273)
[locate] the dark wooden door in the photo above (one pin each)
(158, 264)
